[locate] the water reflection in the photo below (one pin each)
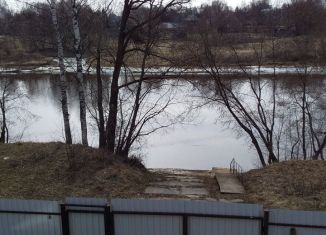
(200, 144)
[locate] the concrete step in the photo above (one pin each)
(179, 183)
(228, 182)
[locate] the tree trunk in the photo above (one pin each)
(254, 140)
(113, 109)
(272, 157)
(304, 150)
(80, 77)
(321, 149)
(101, 126)
(63, 86)
(4, 125)
(126, 149)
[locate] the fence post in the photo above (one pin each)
(293, 231)
(110, 221)
(265, 222)
(184, 225)
(107, 220)
(64, 220)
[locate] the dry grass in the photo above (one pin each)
(288, 51)
(55, 171)
(292, 184)
(167, 50)
(14, 54)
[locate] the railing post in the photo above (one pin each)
(231, 166)
(64, 220)
(265, 223)
(184, 225)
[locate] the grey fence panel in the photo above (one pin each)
(215, 208)
(230, 226)
(86, 201)
(314, 218)
(147, 224)
(18, 224)
(148, 205)
(213, 226)
(21, 217)
(30, 205)
(86, 224)
(197, 224)
(83, 223)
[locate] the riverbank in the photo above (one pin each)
(55, 171)
(290, 184)
(50, 66)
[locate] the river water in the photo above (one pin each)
(202, 141)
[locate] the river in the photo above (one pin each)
(202, 141)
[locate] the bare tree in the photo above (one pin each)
(63, 85)
(132, 124)
(306, 102)
(102, 37)
(79, 60)
(10, 97)
(4, 137)
(318, 135)
(128, 26)
(247, 99)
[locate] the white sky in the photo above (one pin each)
(17, 4)
(232, 3)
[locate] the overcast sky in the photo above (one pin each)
(232, 3)
(17, 4)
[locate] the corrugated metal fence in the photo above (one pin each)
(288, 222)
(88, 216)
(144, 217)
(29, 217)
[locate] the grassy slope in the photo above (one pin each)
(292, 184)
(44, 171)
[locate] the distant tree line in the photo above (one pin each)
(298, 17)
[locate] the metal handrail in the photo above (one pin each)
(236, 169)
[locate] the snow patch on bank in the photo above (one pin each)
(71, 65)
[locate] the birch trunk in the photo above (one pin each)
(63, 85)
(80, 78)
